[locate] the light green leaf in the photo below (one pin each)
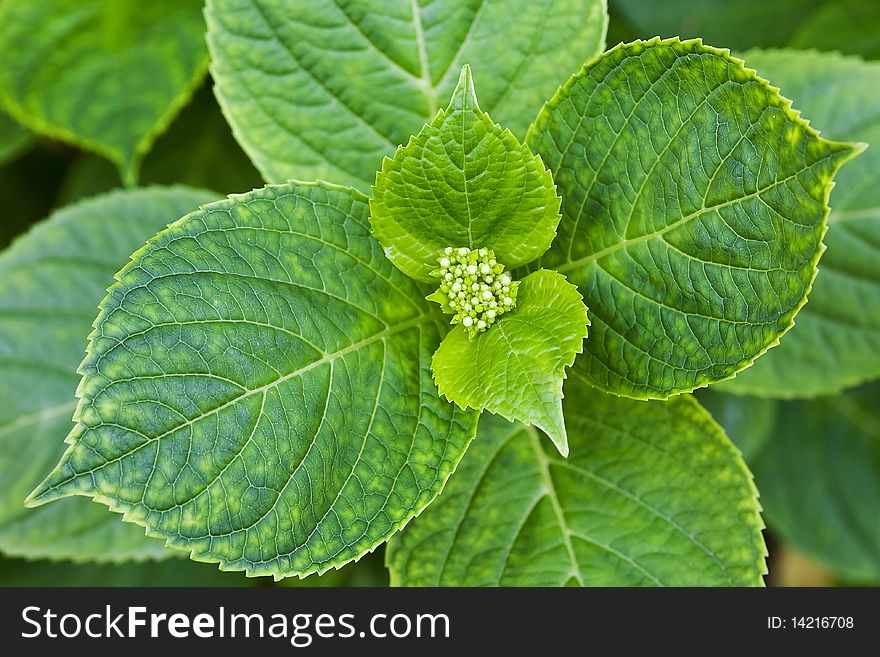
(819, 477)
(463, 182)
(848, 26)
(258, 391)
(515, 369)
(694, 204)
(836, 342)
(748, 421)
(325, 89)
(51, 280)
(652, 494)
(13, 137)
(106, 75)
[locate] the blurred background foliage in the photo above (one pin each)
(816, 461)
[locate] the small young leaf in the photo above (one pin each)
(652, 494)
(819, 477)
(107, 75)
(694, 208)
(836, 342)
(323, 90)
(51, 280)
(516, 368)
(463, 181)
(257, 390)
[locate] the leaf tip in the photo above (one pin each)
(58, 483)
(464, 96)
(39, 496)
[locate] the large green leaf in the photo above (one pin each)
(258, 389)
(325, 89)
(463, 181)
(516, 368)
(107, 75)
(694, 204)
(819, 477)
(836, 342)
(652, 494)
(51, 280)
(848, 26)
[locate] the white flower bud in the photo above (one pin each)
(477, 286)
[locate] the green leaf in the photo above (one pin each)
(694, 204)
(516, 368)
(106, 75)
(13, 138)
(463, 182)
(748, 421)
(198, 149)
(652, 494)
(51, 279)
(847, 26)
(836, 342)
(739, 24)
(819, 477)
(324, 90)
(257, 390)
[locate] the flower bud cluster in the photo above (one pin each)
(474, 287)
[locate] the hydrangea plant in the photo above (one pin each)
(511, 313)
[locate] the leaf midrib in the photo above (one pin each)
(429, 90)
(625, 243)
(550, 491)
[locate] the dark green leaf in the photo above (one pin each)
(258, 392)
(106, 75)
